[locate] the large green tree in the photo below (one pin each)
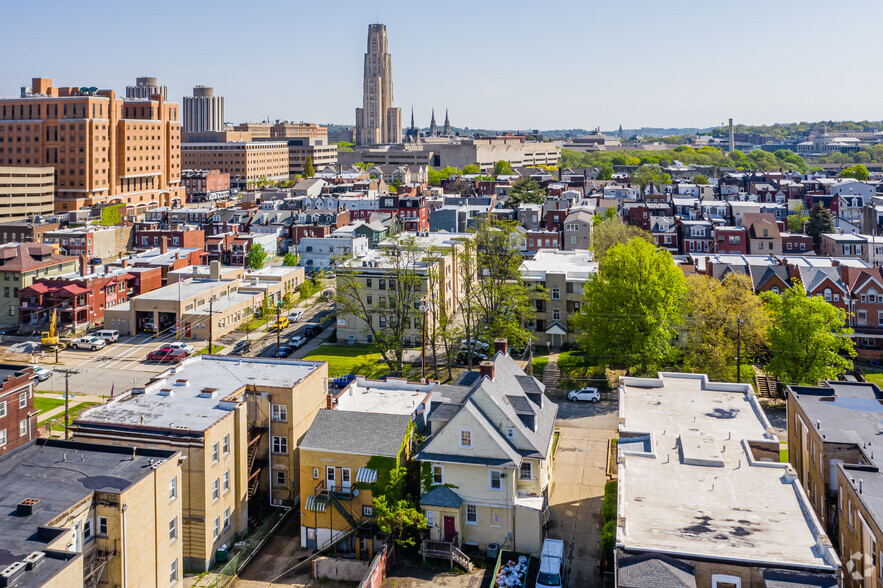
(808, 337)
(717, 314)
(632, 307)
(525, 190)
(820, 222)
(290, 259)
(859, 172)
(647, 175)
(309, 172)
(257, 256)
(796, 219)
(606, 172)
(610, 232)
(503, 168)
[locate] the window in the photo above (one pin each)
(173, 529)
(556, 314)
(382, 284)
(496, 482)
(2, 409)
(438, 474)
(471, 514)
(367, 511)
(466, 438)
(280, 445)
(2, 437)
(23, 400)
(280, 413)
(315, 473)
(430, 518)
(872, 296)
(827, 294)
(87, 529)
(226, 481)
(724, 581)
(216, 489)
(775, 290)
(556, 294)
(215, 454)
(862, 317)
(173, 572)
(510, 433)
(226, 444)
(173, 488)
(280, 478)
(227, 518)
(216, 528)
(526, 472)
(23, 428)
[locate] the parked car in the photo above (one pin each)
(108, 335)
(41, 373)
(477, 357)
(311, 331)
(188, 349)
(167, 355)
(584, 394)
(241, 348)
(285, 351)
(295, 315)
(95, 261)
(88, 342)
(553, 571)
(297, 341)
(327, 295)
(344, 381)
(279, 324)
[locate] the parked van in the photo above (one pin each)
(552, 571)
(108, 335)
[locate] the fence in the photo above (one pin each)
(379, 568)
(247, 549)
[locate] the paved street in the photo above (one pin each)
(578, 487)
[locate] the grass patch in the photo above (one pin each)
(783, 454)
(539, 364)
(73, 413)
(42, 405)
(350, 359)
(205, 350)
(555, 441)
(254, 324)
(874, 378)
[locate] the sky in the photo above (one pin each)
(492, 64)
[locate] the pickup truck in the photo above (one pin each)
(89, 342)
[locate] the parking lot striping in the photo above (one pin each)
(129, 352)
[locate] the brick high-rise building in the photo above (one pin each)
(203, 111)
(145, 88)
(104, 148)
(377, 121)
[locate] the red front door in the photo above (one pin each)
(449, 528)
(187, 330)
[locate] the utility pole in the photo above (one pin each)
(210, 321)
(423, 308)
(278, 329)
(66, 374)
(739, 349)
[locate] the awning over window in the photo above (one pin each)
(315, 505)
(366, 476)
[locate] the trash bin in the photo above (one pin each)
(492, 550)
(222, 554)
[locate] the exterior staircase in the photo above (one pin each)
(551, 375)
(446, 550)
(255, 466)
(766, 386)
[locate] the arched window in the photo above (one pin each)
(827, 294)
(872, 295)
(775, 290)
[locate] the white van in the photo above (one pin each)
(552, 572)
(108, 335)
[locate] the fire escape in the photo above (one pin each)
(94, 562)
(256, 433)
(341, 500)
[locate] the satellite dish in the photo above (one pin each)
(355, 491)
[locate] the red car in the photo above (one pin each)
(167, 355)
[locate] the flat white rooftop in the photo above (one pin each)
(692, 486)
(393, 396)
(578, 265)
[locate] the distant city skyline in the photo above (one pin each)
(491, 64)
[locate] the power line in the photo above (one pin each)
(66, 373)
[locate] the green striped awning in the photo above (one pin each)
(315, 504)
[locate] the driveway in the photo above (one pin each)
(578, 487)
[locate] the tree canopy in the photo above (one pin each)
(290, 259)
(796, 219)
(820, 222)
(309, 172)
(610, 232)
(859, 172)
(808, 337)
(257, 256)
(472, 168)
(504, 168)
(606, 172)
(647, 175)
(525, 190)
(631, 307)
(701, 180)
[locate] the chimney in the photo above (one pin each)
(329, 401)
(84, 268)
(486, 369)
(214, 270)
(732, 140)
(26, 507)
(163, 244)
(125, 262)
(501, 345)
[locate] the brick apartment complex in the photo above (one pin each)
(246, 162)
(25, 232)
(26, 192)
(18, 419)
(104, 148)
(21, 266)
(205, 185)
(101, 242)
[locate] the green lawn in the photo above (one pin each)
(539, 364)
(73, 413)
(875, 379)
(350, 359)
(41, 405)
(204, 351)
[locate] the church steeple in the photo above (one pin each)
(433, 128)
(447, 129)
(412, 117)
(620, 131)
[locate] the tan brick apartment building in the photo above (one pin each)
(26, 192)
(104, 148)
(246, 162)
(215, 410)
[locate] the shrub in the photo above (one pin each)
(610, 488)
(608, 509)
(608, 541)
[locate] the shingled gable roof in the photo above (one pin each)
(855, 278)
(29, 256)
(760, 276)
(755, 222)
(812, 278)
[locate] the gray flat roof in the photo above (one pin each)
(185, 408)
(59, 474)
(182, 290)
(361, 433)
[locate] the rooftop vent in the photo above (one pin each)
(27, 506)
(34, 559)
(9, 574)
(166, 392)
(208, 392)
(182, 382)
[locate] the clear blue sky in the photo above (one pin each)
(494, 64)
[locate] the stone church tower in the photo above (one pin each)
(378, 121)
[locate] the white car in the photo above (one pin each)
(189, 349)
(584, 394)
(295, 315)
(92, 343)
(41, 373)
(297, 341)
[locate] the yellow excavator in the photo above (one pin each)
(50, 338)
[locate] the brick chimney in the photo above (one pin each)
(125, 262)
(501, 345)
(329, 401)
(84, 268)
(163, 244)
(214, 270)
(486, 369)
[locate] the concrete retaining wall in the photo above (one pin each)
(349, 570)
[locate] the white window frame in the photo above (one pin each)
(469, 432)
(725, 579)
(87, 530)
(102, 526)
(23, 427)
(173, 488)
(474, 508)
(281, 478)
(280, 445)
(367, 510)
(227, 518)
(216, 490)
(280, 413)
(225, 446)
(510, 433)
(216, 453)
(490, 482)
(556, 293)
(2, 409)
(23, 400)
(173, 529)
(441, 472)
(216, 528)
(226, 481)
(430, 519)
(315, 473)
(556, 314)
(173, 572)
(529, 471)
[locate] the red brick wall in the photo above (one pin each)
(9, 393)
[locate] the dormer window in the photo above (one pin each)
(466, 438)
(510, 433)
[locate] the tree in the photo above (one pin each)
(503, 168)
(859, 172)
(631, 307)
(605, 172)
(808, 337)
(388, 319)
(290, 259)
(610, 232)
(820, 221)
(309, 172)
(257, 256)
(608, 213)
(700, 179)
(796, 219)
(472, 168)
(525, 190)
(715, 311)
(648, 175)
